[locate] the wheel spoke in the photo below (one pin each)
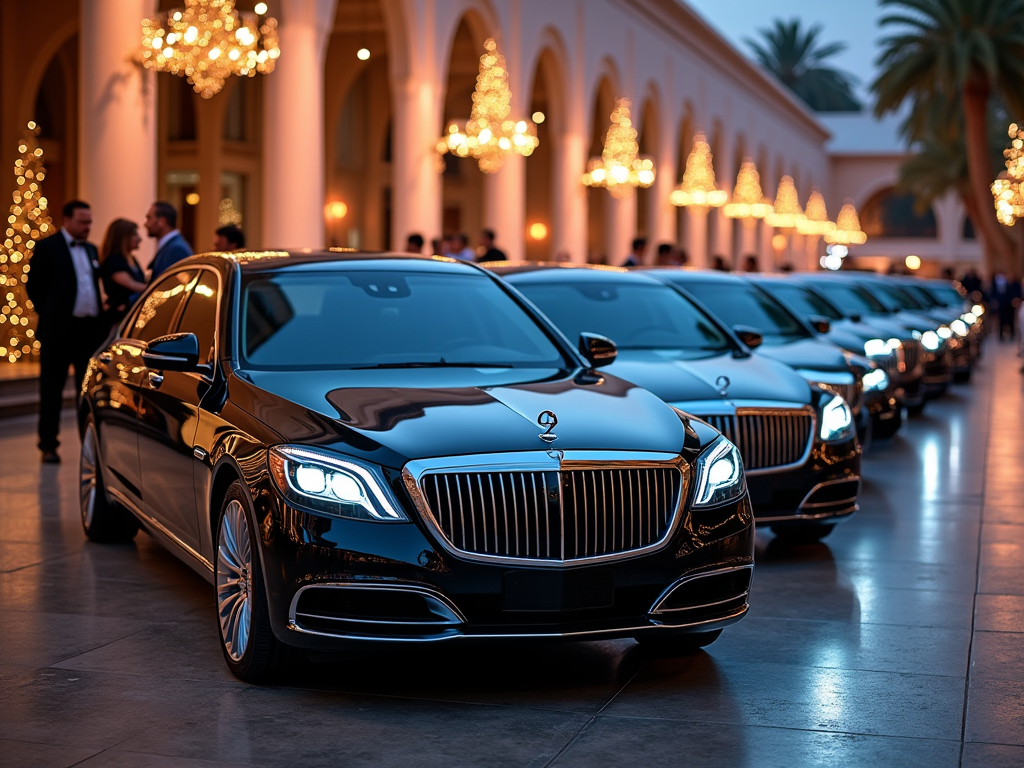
(234, 580)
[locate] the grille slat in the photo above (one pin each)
(766, 440)
(566, 515)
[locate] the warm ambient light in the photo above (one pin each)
(538, 117)
(538, 231)
(336, 210)
(192, 198)
(913, 262)
(260, 9)
(363, 54)
(779, 242)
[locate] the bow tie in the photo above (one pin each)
(79, 243)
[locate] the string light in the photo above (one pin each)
(847, 231)
(1008, 190)
(698, 189)
(787, 212)
(489, 136)
(620, 169)
(748, 201)
(208, 41)
(28, 222)
(815, 222)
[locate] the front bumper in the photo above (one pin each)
(938, 371)
(887, 413)
(332, 583)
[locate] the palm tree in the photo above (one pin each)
(971, 50)
(795, 57)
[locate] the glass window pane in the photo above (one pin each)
(160, 305)
(200, 314)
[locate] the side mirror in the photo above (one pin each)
(598, 350)
(176, 352)
(855, 318)
(749, 336)
(819, 323)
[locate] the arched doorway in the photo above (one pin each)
(598, 201)
(648, 140)
(545, 101)
(56, 113)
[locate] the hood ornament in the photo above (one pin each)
(548, 421)
(722, 382)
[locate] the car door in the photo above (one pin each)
(164, 425)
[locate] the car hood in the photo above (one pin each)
(688, 381)
(810, 354)
(390, 417)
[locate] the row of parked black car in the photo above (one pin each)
(363, 447)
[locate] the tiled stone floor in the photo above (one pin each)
(899, 641)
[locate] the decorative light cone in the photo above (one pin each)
(208, 41)
(698, 189)
(490, 136)
(748, 202)
(815, 222)
(620, 169)
(787, 212)
(847, 231)
(1008, 188)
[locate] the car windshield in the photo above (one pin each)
(894, 297)
(634, 315)
(745, 305)
(803, 301)
(922, 296)
(946, 295)
(851, 299)
(388, 319)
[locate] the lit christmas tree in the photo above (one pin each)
(29, 221)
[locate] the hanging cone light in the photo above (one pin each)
(815, 222)
(698, 189)
(787, 213)
(490, 135)
(748, 201)
(620, 169)
(847, 231)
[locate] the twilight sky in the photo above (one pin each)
(851, 21)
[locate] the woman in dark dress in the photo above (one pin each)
(121, 274)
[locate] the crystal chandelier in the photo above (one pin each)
(698, 189)
(208, 41)
(847, 231)
(815, 222)
(1007, 192)
(490, 135)
(748, 202)
(787, 213)
(620, 169)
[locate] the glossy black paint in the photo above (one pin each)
(172, 442)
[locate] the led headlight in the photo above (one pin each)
(876, 348)
(959, 327)
(836, 419)
(331, 485)
(969, 317)
(930, 340)
(944, 332)
(875, 380)
(719, 475)
(978, 310)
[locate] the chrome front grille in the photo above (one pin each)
(849, 392)
(768, 439)
(911, 355)
(557, 515)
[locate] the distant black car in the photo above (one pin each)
(789, 339)
(358, 448)
(798, 441)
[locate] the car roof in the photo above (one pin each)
(329, 258)
(547, 272)
(693, 277)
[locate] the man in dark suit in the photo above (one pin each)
(171, 247)
(64, 288)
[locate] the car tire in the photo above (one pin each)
(663, 644)
(803, 533)
(252, 651)
(916, 410)
(102, 520)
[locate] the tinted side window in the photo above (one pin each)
(159, 307)
(200, 313)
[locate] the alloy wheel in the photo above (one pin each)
(234, 580)
(87, 470)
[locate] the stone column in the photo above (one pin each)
(416, 167)
(748, 242)
(569, 214)
(505, 206)
(697, 237)
(117, 114)
(293, 122)
(621, 228)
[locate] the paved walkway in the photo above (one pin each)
(900, 641)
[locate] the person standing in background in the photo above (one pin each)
(636, 256)
(460, 248)
(491, 253)
(171, 247)
(414, 243)
(122, 277)
(228, 238)
(64, 288)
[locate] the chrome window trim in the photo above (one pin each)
(656, 608)
(456, 619)
(546, 461)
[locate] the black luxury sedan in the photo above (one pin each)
(797, 440)
(356, 447)
(744, 306)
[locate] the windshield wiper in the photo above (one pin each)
(429, 364)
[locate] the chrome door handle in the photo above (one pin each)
(199, 453)
(106, 357)
(155, 379)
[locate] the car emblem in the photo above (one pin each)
(548, 420)
(722, 382)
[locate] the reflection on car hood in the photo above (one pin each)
(675, 380)
(805, 353)
(396, 416)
